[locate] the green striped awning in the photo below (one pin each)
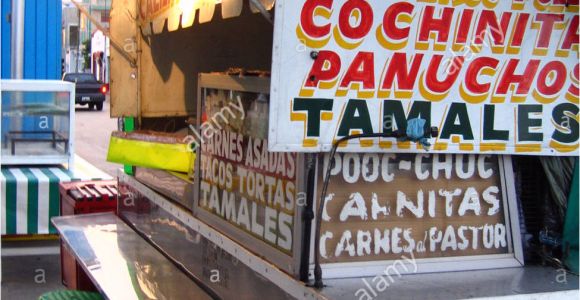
(30, 197)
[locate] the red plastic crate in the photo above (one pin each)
(85, 197)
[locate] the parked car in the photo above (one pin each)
(88, 91)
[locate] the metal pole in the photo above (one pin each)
(78, 44)
(90, 37)
(17, 55)
(17, 48)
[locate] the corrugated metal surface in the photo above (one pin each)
(42, 39)
(6, 35)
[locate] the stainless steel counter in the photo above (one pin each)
(524, 283)
(121, 263)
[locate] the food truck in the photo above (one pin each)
(320, 149)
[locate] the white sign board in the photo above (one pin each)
(493, 76)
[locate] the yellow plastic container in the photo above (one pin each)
(172, 157)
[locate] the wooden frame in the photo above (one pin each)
(514, 257)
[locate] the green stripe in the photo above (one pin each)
(53, 198)
(10, 202)
(32, 201)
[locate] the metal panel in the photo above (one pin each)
(120, 263)
(5, 36)
(519, 283)
(40, 56)
(200, 248)
(42, 39)
(54, 42)
(184, 238)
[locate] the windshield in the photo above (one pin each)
(80, 77)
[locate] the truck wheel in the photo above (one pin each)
(91, 106)
(100, 106)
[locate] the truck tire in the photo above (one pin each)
(99, 106)
(91, 106)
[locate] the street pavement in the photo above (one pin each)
(92, 132)
(29, 276)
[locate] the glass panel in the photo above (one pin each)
(35, 123)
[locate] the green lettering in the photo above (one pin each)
(313, 108)
(457, 111)
(490, 133)
(356, 116)
(525, 122)
(394, 114)
(567, 121)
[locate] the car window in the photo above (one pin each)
(80, 78)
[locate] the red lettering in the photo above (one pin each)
(546, 27)
(557, 68)
(362, 69)
(520, 30)
(473, 70)
(406, 77)
(464, 26)
(442, 86)
(307, 18)
(365, 19)
(429, 24)
(523, 81)
(390, 20)
(573, 89)
(488, 19)
(325, 68)
(571, 37)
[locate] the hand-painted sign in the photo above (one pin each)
(494, 76)
(252, 195)
(380, 207)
